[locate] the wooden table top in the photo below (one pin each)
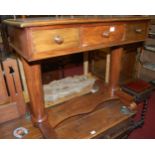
(46, 21)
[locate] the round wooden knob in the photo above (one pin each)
(58, 39)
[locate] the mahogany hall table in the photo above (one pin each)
(42, 38)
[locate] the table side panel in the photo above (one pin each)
(18, 39)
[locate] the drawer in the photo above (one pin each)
(136, 31)
(105, 34)
(55, 39)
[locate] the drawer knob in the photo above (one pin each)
(138, 30)
(106, 34)
(58, 39)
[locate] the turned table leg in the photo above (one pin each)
(34, 84)
(115, 68)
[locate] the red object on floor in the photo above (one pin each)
(138, 86)
(148, 129)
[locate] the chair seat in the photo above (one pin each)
(140, 89)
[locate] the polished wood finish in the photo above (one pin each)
(9, 112)
(14, 84)
(126, 99)
(12, 104)
(40, 42)
(3, 91)
(82, 106)
(47, 130)
(6, 129)
(19, 41)
(34, 22)
(115, 68)
(34, 82)
(79, 126)
(95, 35)
(21, 69)
(74, 118)
(136, 31)
(79, 105)
(57, 39)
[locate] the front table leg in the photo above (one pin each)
(34, 84)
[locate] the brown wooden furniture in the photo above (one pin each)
(100, 64)
(113, 128)
(141, 91)
(37, 39)
(12, 104)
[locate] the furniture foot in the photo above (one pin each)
(34, 83)
(47, 130)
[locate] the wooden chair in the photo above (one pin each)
(12, 104)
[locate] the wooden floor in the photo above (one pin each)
(88, 116)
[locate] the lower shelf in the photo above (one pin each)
(105, 121)
(100, 122)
